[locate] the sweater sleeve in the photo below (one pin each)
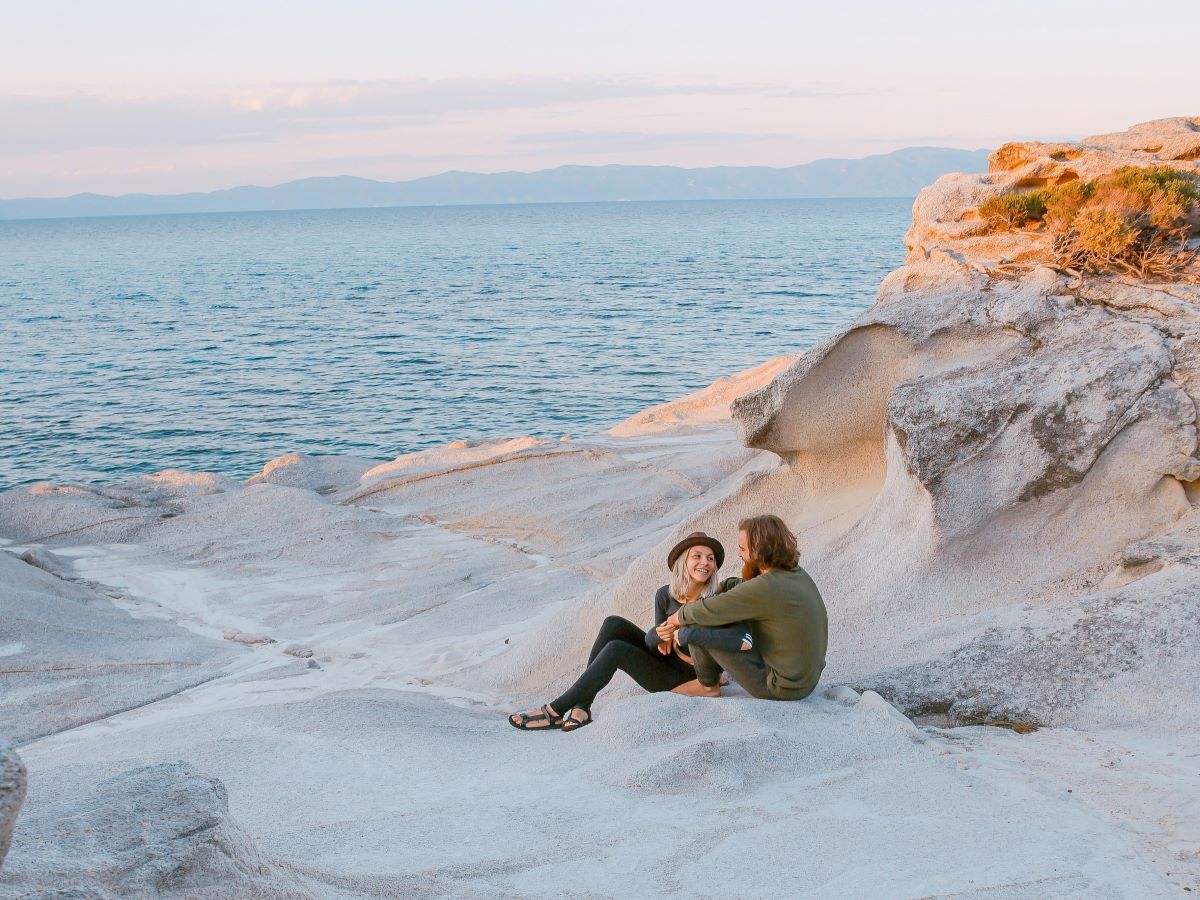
(741, 603)
(730, 639)
(660, 616)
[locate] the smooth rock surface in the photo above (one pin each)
(69, 654)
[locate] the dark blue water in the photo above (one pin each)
(217, 342)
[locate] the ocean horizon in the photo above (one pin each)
(218, 341)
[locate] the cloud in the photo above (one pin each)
(42, 124)
(609, 141)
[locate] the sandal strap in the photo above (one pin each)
(570, 723)
(522, 720)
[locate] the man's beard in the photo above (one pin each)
(750, 570)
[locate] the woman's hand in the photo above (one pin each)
(665, 647)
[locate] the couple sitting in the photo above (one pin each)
(767, 629)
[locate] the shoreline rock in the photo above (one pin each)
(12, 795)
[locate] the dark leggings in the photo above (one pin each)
(622, 645)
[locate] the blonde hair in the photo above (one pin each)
(681, 581)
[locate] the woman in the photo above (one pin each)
(654, 663)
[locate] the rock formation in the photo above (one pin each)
(12, 795)
(156, 831)
(1030, 436)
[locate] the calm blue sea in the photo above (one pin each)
(217, 342)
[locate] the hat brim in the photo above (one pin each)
(687, 543)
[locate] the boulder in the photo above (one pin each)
(12, 795)
(157, 831)
(315, 473)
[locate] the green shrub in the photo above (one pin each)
(1103, 235)
(1147, 181)
(1134, 219)
(1014, 210)
(1064, 201)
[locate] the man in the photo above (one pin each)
(788, 618)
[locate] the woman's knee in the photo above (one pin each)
(619, 651)
(614, 626)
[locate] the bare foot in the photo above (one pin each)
(694, 688)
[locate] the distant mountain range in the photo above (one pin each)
(899, 174)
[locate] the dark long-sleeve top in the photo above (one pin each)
(728, 638)
(789, 620)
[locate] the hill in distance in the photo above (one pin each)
(901, 173)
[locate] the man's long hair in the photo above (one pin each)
(681, 581)
(771, 543)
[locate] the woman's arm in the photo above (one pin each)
(653, 641)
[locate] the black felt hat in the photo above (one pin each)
(697, 539)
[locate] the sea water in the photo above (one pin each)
(216, 342)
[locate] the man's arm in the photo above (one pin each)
(741, 603)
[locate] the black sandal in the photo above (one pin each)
(569, 724)
(522, 720)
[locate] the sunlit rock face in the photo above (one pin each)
(1021, 427)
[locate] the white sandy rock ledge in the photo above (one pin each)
(993, 474)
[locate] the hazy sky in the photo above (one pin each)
(170, 96)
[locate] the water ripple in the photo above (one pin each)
(220, 341)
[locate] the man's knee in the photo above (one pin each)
(708, 670)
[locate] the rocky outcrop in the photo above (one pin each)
(12, 795)
(709, 406)
(1022, 428)
(158, 831)
(316, 473)
(80, 513)
(946, 219)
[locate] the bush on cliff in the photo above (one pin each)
(1135, 220)
(1015, 210)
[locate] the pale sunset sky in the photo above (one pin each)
(168, 96)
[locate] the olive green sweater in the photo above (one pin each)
(790, 626)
